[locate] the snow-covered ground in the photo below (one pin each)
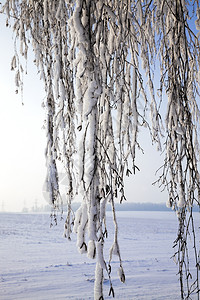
(36, 262)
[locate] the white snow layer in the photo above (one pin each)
(38, 263)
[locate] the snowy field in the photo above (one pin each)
(37, 263)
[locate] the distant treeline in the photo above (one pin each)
(119, 207)
(145, 207)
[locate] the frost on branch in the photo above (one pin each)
(95, 59)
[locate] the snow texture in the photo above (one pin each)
(37, 263)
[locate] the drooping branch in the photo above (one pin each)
(95, 59)
(179, 56)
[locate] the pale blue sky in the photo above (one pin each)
(22, 138)
(22, 148)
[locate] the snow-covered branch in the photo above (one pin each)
(96, 59)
